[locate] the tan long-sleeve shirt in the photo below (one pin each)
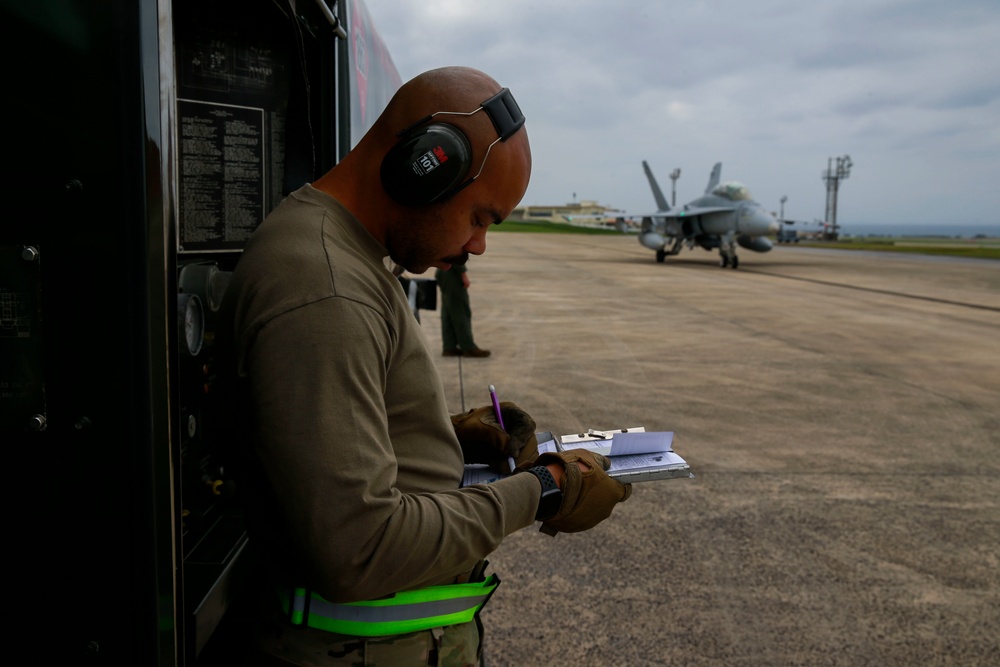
(361, 466)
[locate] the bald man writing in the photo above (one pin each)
(352, 461)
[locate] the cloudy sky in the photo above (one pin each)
(910, 89)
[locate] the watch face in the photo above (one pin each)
(552, 495)
(549, 504)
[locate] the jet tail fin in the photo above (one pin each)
(713, 179)
(661, 201)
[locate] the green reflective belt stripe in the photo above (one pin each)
(406, 611)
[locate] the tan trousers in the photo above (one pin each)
(280, 644)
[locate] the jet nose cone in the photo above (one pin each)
(763, 223)
(758, 222)
(766, 222)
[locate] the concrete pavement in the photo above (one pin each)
(841, 412)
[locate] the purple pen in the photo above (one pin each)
(496, 407)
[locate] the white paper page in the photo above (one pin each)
(480, 473)
(597, 446)
(547, 446)
(627, 444)
(655, 460)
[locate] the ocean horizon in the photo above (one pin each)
(964, 231)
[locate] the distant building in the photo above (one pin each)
(584, 211)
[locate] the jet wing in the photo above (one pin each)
(699, 210)
(692, 212)
(675, 213)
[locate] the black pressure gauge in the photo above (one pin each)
(191, 324)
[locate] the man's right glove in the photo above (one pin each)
(483, 441)
(589, 496)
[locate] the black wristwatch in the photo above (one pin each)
(552, 495)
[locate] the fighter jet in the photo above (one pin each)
(723, 217)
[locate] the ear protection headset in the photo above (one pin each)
(431, 162)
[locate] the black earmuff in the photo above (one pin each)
(430, 163)
(426, 164)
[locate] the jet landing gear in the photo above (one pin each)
(663, 253)
(727, 252)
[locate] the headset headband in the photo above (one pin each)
(502, 109)
(505, 114)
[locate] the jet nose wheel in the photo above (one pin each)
(725, 261)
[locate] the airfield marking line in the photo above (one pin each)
(877, 291)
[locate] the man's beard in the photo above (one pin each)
(419, 264)
(412, 244)
(456, 260)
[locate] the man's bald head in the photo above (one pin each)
(460, 89)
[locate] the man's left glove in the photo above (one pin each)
(589, 494)
(483, 441)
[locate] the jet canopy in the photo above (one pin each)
(733, 191)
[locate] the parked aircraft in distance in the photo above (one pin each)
(724, 217)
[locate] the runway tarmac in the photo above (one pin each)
(841, 413)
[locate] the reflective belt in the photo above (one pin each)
(406, 611)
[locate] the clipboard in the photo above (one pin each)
(635, 454)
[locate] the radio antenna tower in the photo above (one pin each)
(833, 176)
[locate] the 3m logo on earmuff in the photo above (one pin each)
(429, 161)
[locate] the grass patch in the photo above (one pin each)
(550, 228)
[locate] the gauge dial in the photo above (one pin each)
(191, 323)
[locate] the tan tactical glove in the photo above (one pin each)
(483, 441)
(588, 495)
